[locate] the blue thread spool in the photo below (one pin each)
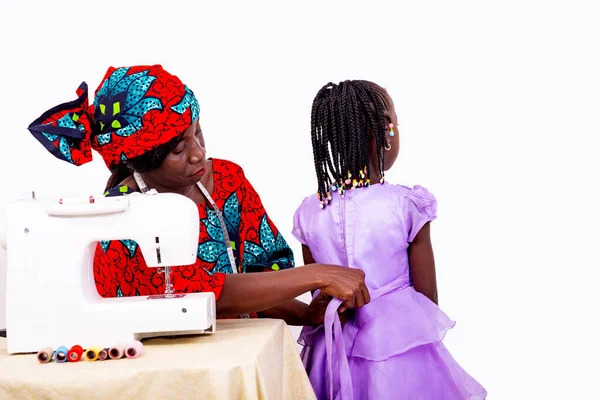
(61, 354)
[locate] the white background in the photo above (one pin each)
(498, 106)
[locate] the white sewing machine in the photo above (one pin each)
(51, 297)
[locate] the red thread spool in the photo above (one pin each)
(75, 353)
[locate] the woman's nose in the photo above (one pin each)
(197, 154)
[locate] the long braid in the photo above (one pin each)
(361, 140)
(335, 141)
(372, 100)
(354, 127)
(345, 119)
(321, 144)
(366, 102)
(326, 145)
(314, 128)
(346, 129)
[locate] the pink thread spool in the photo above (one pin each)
(134, 349)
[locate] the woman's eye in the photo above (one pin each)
(178, 150)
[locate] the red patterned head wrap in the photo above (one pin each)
(135, 110)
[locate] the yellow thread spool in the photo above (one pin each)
(91, 354)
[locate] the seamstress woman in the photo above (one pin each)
(144, 123)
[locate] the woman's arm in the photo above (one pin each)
(246, 293)
(422, 264)
(308, 258)
(293, 312)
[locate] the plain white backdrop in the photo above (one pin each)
(498, 106)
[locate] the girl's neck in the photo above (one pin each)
(374, 173)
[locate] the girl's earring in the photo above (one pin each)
(391, 133)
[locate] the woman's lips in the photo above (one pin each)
(200, 173)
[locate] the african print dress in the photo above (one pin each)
(120, 269)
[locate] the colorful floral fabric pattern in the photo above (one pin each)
(214, 250)
(120, 270)
(135, 110)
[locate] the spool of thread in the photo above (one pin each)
(91, 354)
(61, 354)
(103, 354)
(134, 349)
(75, 353)
(117, 351)
(45, 355)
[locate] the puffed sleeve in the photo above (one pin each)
(420, 207)
(297, 230)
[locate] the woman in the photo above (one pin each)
(144, 122)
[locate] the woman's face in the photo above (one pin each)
(186, 164)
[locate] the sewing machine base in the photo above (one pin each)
(112, 321)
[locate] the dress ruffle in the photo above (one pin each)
(398, 334)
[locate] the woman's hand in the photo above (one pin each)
(315, 312)
(346, 284)
(246, 293)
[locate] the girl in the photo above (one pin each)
(391, 348)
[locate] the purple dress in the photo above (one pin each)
(392, 348)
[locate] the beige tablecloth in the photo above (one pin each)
(244, 359)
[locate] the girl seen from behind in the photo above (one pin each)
(392, 347)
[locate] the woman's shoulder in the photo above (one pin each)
(228, 178)
(221, 166)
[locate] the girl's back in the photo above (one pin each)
(391, 347)
(369, 229)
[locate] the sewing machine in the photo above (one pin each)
(51, 297)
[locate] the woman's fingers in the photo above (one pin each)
(360, 300)
(348, 284)
(366, 294)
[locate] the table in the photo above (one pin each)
(243, 359)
